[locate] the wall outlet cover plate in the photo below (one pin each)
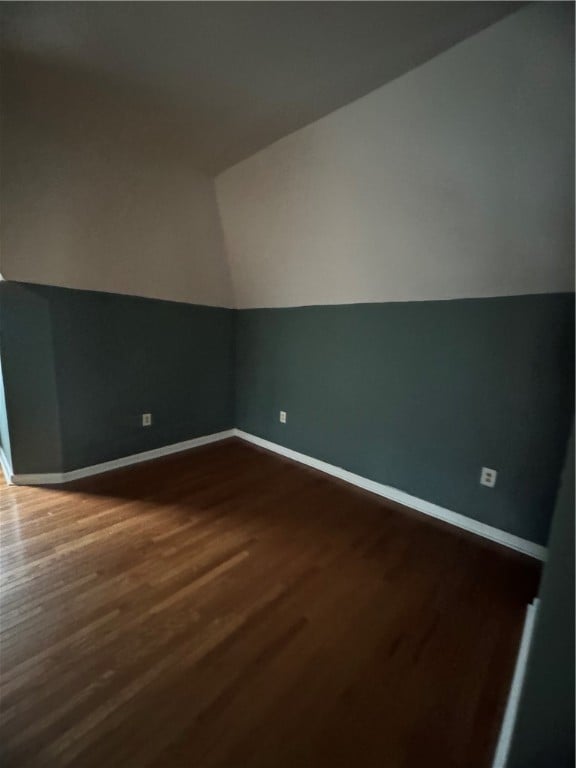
(488, 477)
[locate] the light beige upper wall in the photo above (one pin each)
(99, 190)
(455, 180)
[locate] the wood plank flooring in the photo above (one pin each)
(227, 607)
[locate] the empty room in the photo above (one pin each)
(287, 384)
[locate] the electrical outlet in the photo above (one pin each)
(488, 477)
(283, 417)
(146, 419)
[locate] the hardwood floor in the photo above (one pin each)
(227, 607)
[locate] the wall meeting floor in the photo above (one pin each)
(228, 607)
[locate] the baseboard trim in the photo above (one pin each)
(393, 494)
(388, 492)
(507, 729)
(126, 461)
(6, 468)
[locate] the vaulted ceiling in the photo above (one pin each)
(242, 74)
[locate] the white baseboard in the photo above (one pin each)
(393, 494)
(6, 468)
(96, 469)
(386, 491)
(507, 729)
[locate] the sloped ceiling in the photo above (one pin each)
(242, 74)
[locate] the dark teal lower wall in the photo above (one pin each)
(417, 395)
(4, 434)
(544, 732)
(81, 367)
(30, 379)
(421, 395)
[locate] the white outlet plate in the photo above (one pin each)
(283, 417)
(146, 419)
(488, 477)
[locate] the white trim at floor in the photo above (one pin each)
(386, 491)
(507, 729)
(5, 466)
(393, 494)
(77, 474)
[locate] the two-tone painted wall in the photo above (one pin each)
(117, 290)
(404, 273)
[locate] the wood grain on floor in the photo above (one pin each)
(228, 607)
